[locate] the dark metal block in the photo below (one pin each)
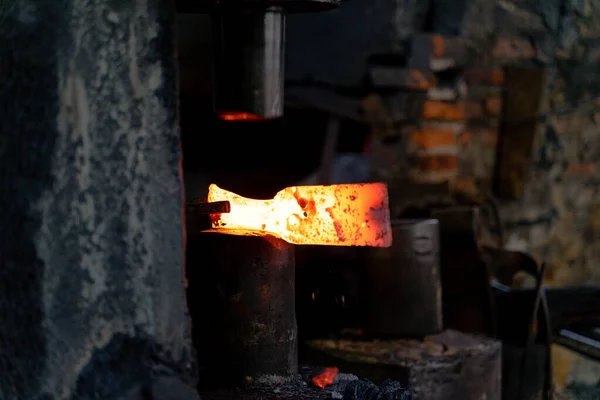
(242, 300)
(402, 287)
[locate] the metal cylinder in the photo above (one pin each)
(402, 287)
(241, 297)
(248, 52)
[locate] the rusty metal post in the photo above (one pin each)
(242, 300)
(402, 286)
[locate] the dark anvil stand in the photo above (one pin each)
(241, 297)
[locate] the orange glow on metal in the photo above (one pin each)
(326, 378)
(239, 116)
(335, 215)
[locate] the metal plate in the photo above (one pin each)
(291, 6)
(397, 278)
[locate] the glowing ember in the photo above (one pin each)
(326, 378)
(336, 215)
(239, 116)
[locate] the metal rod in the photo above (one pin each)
(539, 292)
(582, 344)
(201, 207)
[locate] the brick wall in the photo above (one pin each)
(443, 108)
(448, 141)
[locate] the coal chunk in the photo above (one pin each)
(388, 390)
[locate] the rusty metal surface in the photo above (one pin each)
(242, 301)
(402, 284)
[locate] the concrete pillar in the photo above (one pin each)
(92, 300)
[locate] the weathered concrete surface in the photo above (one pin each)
(91, 228)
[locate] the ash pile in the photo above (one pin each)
(314, 384)
(349, 387)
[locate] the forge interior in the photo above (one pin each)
(425, 213)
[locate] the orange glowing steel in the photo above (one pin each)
(336, 215)
(326, 378)
(239, 116)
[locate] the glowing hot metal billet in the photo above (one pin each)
(335, 215)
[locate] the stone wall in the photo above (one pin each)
(92, 298)
(560, 190)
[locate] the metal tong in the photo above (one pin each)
(204, 207)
